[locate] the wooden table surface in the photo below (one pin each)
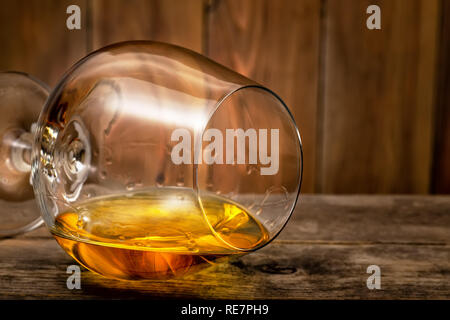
(323, 253)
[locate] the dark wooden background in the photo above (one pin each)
(373, 106)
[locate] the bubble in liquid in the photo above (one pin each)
(275, 196)
(225, 230)
(82, 220)
(130, 186)
(180, 197)
(251, 206)
(80, 223)
(191, 245)
(103, 174)
(232, 195)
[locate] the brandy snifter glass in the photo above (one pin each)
(148, 161)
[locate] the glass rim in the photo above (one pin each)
(300, 178)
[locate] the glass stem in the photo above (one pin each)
(21, 150)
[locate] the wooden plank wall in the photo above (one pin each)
(441, 169)
(173, 21)
(277, 44)
(378, 97)
(34, 38)
(372, 106)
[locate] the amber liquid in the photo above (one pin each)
(161, 233)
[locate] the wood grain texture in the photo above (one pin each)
(275, 43)
(441, 168)
(368, 123)
(172, 21)
(323, 253)
(35, 38)
(378, 97)
(374, 219)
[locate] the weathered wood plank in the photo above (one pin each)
(323, 253)
(378, 97)
(32, 268)
(35, 38)
(370, 219)
(275, 43)
(172, 21)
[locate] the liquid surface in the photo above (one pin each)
(161, 233)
